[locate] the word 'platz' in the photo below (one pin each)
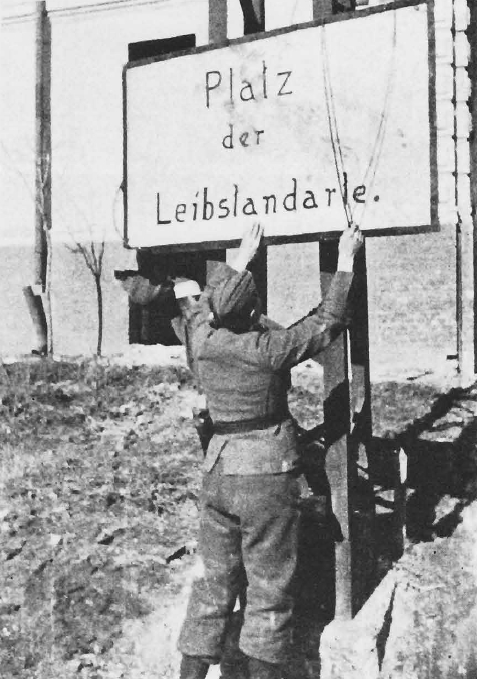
(227, 87)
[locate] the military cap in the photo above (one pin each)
(234, 298)
(185, 287)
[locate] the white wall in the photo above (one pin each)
(17, 133)
(89, 50)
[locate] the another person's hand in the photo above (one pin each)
(350, 242)
(248, 247)
(141, 291)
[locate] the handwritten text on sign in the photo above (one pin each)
(228, 135)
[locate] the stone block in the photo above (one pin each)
(354, 648)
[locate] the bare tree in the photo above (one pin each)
(92, 253)
(85, 243)
(90, 245)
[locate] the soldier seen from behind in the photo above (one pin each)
(250, 495)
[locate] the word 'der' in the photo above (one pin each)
(206, 206)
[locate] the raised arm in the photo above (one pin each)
(141, 291)
(248, 247)
(311, 335)
(225, 274)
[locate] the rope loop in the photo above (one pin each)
(372, 167)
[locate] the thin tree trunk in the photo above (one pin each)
(99, 296)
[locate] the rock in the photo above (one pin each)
(353, 649)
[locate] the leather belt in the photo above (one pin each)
(243, 426)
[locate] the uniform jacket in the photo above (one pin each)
(246, 376)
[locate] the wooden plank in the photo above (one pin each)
(254, 22)
(284, 240)
(337, 417)
(359, 343)
(345, 392)
(322, 9)
(42, 141)
(348, 16)
(217, 21)
(37, 315)
(337, 412)
(253, 16)
(361, 489)
(433, 113)
(472, 255)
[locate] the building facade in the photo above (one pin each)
(91, 41)
(90, 44)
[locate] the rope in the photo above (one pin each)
(333, 127)
(375, 157)
(380, 135)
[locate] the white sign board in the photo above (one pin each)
(220, 137)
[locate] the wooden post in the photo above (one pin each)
(467, 184)
(217, 21)
(347, 409)
(346, 362)
(42, 177)
(337, 414)
(337, 418)
(253, 16)
(254, 21)
(361, 488)
(322, 9)
(42, 142)
(37, 315)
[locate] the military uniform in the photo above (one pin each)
(249, 502)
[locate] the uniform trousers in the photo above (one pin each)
(247, 522)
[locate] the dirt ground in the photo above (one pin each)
(99, 480)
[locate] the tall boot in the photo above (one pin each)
(260, 669)
(235, 667)
(193, 667)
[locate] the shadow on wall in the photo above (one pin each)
(440, 447)
(442, 451)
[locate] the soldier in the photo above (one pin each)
(249, 502)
